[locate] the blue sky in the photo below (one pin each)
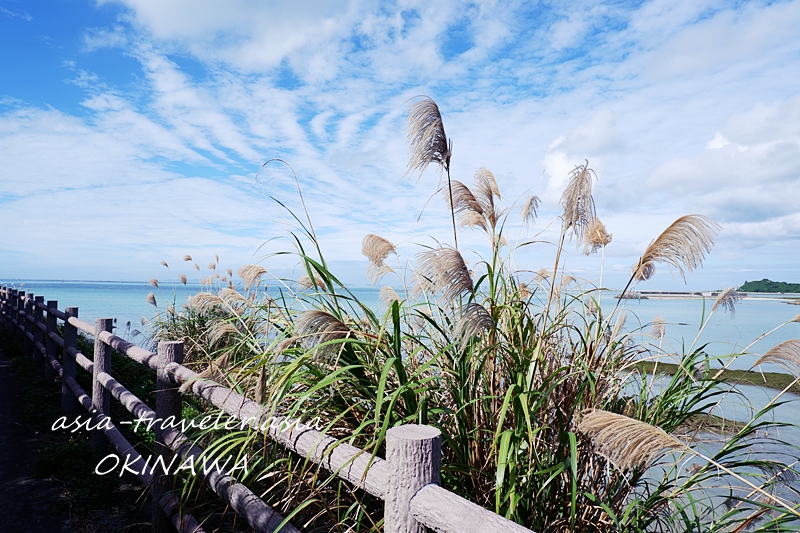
(131, 131)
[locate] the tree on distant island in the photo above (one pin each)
(766, 285)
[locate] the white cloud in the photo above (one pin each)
(677, 105)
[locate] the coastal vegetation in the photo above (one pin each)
(548, 415)
(766, 285)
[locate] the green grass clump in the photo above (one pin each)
(537, 392)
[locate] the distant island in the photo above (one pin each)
(766, 285)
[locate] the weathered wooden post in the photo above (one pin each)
(38, 336)
(101, 397)
(27, 310)
(50, 344)
(414, 454)
(168, 404)
(68, 361)
(3, 300)
(17, 313)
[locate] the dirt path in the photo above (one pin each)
(27, 503)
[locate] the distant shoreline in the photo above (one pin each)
(699, 295)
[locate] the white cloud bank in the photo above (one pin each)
(679, 107)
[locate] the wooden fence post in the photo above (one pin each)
(38, 336)
(17, 313)
(50, 344)
(3, 300)
(68, 361)
(414, 454)
(168, 404)
(101, 397)
(27, 310)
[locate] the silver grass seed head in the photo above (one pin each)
(182, 277)
(542, 275)
(153, 282)
(151, 299)
(204, 302)
(658, 329)
(251, 274)
(388, 295)
(728, 299)
(445, 269)
(318, 327)
(306, 282)
(577, 201)
(426, 138)
(486, 192)
(530, 210)
(376, 248)
(165, 264)
(595, 237)
(474, 320)
(682, 245)
(187, 257)
(786, 354)
(375, 271)
(626, 442)
(464, 205)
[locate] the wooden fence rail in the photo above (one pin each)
(407, 480)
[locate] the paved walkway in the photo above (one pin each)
(27, 503)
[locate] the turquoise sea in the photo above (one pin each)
(127, 302)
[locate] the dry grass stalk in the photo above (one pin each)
(376, 248)
(182, 277)
(786, 354)
(530, 210)
(683, 244)
(388, 295)
(577, 201)
(151, 299)
(727, 299)
(153, 282)
(626, 442)
(251, 274)
(187, 257)
(426, 138)
(446, 270)
(595, 237)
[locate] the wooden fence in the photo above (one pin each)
(407, 480)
